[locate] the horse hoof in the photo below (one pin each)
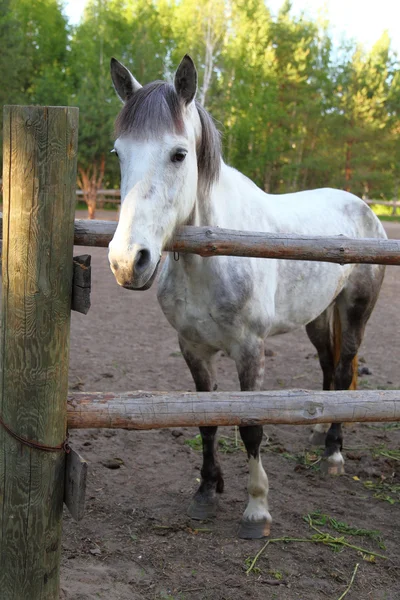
(201, 511)
(254, 530)
(317, 438)
(329, 467)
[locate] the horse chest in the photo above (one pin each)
(202, 313)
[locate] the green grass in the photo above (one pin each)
(385, 212)
(384, 490)
(393, 219)
(315, 521)
(307, 459)
(385, 452)
(386, 426)
(324, 520)
(226, 444)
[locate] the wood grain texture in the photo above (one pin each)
(155, 410)
(214, 241)
(40, 147)
(81, 283)
(75, 484)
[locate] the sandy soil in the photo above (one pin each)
(136, 541)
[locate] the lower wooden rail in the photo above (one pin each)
(155, 410)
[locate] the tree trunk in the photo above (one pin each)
(90, 183)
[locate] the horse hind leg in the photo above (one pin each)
(319, 333)
(256, 521)
(353, 307)
(204, 503)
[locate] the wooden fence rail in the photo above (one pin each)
(212, 241)
(155, 410)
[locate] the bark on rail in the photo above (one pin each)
(156, 410)
(212, 241)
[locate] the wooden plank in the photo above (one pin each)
(75, 484)
(155, 410)
(40, 149)
(94, 232)
(81, 284)
(214, 241)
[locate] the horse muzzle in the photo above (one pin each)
(138, 273)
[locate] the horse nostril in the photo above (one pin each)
(142, 260)
(115, 265)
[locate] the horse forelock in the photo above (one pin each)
(156, 109)
(153, 110)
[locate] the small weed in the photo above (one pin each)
(276, 574)
(338, 543)
(226, 445)
(250, 567)
(195, 443)
(384, 490)
(322, 520)
(364, 384)
(383, 451)
(176, 354)
(386, 426)
(306, 459)
(385, 387)
(351, 582)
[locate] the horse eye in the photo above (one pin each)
(178, 157)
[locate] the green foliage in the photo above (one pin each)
(323, 520)
(295, 112)
(384, 490)
(226, 445)
(34, 42)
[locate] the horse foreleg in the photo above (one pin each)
(204, 504)
(256, 521)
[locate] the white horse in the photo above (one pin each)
(172, 174)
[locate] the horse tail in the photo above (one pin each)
(336, 346)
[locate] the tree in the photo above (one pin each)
(33, 39)
(132, 31)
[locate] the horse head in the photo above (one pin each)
(159, 132)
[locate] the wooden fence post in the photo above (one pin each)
(39, 178)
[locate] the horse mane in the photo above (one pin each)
(155, 109)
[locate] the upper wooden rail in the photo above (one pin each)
(213, 241)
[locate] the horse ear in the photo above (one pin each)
(124, 82)
(186, 80)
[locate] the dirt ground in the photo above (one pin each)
(136, 542)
